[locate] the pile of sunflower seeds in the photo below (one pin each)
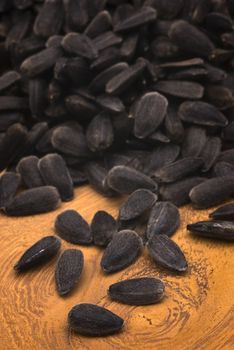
(134, 98)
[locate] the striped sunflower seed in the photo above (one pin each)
(103, 228)
(223, 230)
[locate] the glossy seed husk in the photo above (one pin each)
(68, 270)
(223, 230)
(103, 227)
(94, 320)
(166, 253)
(39, 253)
(137, 291)
(225, 212)
(121, 252)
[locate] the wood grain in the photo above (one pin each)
(197, 312)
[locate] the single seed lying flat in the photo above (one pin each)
(103, 227)
(226, 212)
(164, 219)
(167, 253)
(124, 179)
(93, 320)
(38, 253)
(80, 45)
(182, 89)
(68, 270)
(73, 228)
(223, 230)
(122, 251)
(212, 191)
(137, 291)
(34, 201)
(149, 114)
(54, 172)
(137, 204)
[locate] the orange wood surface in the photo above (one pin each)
(197, 312)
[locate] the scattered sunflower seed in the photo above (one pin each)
(9, 184)
(103, 228)
(223, 230)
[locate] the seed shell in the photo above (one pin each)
(103, 228)
(137, 291)
(93, 320)
(223, 230)
(71, 227)
(68, 270)
(226, 212)
(167, 253)
(9, 184)
(39, 253)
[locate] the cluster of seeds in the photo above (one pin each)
(134, 98)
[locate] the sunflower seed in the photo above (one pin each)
(181, 33)
(9, 118)
(124, 179)
(201, 113)
(50, 18)
(173, 126)
(28, 169)
(122, 81)
(223, 230)
(212, 192)
(137, 204)
(210, 152)
(167, 253)
(9, 184)
(161, 156)
(71, 227)
(164, 219)
(137, 291)
(178, 192)
(149, 114)
(93, 320)
(111, 104)
(99, 134)
(39, 253)
(227, 156)
(226, 212)
(194, 141)
(8, 79)
(223, 169)
(68, 270)
(77, 14)
(144, 16)
(100, 23)
(182, 89)
(34, 201)
(79, 44)
(40, 62)
(97, 174)
(122, 251)
(107, 58)
(103, 227)
(78, 176)
(105, 40)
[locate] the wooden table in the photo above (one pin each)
(197, 312)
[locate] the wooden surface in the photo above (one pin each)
(197, 312)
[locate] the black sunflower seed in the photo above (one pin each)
(178, 192)
(96, 174)
(9, 118)
(93, 320)
(149, 114)
(210, 152)
(12, 143)
(124, 179)
(226, 212)
(107, 58)
(54, 172)
(8, 79)
(28, 169)
(167, 253)
(68, 270)
(37, 96)
(39, 253)
(164, 219)
(212, 192)
(223, 230)
(182, 89)
(122, 251)
(79, 44)
(223, 169)
(50, 18)
(111, 104)
(178, 170)
(78, 175)
(141, 17)
(181, 33)
(137, 291)
(103, 227)
(77, 14)
(34, 201)
(9, 184)
(40, 62)
(137, 204)
(71, 226)
(201, 113)
(194, 141)
(105, 40)
(100, 133)
(227, 156)
(122, 81)
(101, 23)
(173, 126)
